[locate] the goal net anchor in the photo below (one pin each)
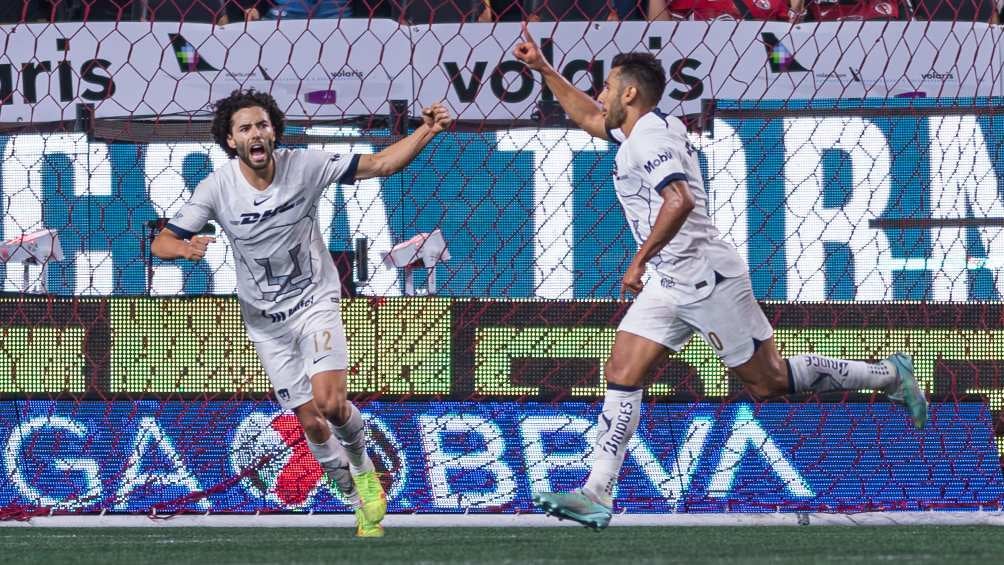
(33, 249)
(424, 251)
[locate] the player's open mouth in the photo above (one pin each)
(257, 152)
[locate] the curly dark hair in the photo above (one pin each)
(238, 100)
(645, 71)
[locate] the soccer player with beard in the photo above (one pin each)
(287, 285)
(696, 281)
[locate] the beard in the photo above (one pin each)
(614, 117)
(244, 153)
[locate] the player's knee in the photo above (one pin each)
(617, 373)
(765, 375)
(778, 376)
(335, 409)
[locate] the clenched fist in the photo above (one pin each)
(437, 117)
(195, 248)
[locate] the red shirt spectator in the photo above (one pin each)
(836, 10)
(731, 9)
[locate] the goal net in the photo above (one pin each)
(855, 166)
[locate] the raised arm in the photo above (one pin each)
(579, 106)
(435, 118)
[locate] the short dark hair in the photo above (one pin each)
(645, 71)
(238, 100)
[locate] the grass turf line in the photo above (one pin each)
(485, 546)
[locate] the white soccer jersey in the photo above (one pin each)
(283, 264)
(656, 154)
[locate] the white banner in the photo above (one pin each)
(321, 68)
(352, 67)
(717, 60)
(902, 59)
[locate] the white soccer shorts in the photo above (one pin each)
(729, 319)
(314, 343)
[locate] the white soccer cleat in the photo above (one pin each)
(575, 505)
(908, 391)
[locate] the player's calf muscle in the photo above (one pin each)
(763, 389)
(314, 426)
(765, 374)
(315, 429)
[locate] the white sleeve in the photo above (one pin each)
(323, 168)
(659, 163)
(194, 214)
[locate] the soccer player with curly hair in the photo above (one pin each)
(266, 200)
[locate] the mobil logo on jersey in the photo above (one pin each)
(661, 158)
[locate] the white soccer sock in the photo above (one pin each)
(352, 434)
(823, 374)
(617, 424)
(333, 459)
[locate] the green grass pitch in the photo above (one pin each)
(484, 546)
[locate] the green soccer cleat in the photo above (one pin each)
(575, 506)
(372, 496)
(908, 392)
(365, 528)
